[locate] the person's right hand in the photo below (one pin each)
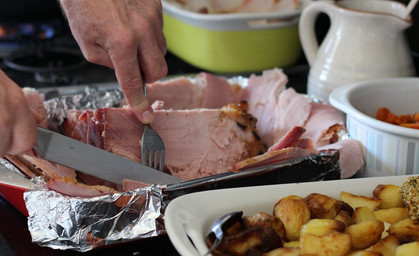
(17, 121)
(126, 36)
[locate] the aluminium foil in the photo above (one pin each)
(82, 224)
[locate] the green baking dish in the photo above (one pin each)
(232, 43)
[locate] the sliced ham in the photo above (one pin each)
(129, 185)
(323, 122)
(204, 91)
(289, 139)
(50, 169)
(198, 142)
(262, 94)
(71, 187)
(177, 93)
(206, 141)
(273, 157)
(351, 158)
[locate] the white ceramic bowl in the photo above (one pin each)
(388, 149)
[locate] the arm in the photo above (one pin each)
(17, 121)
(125, 35)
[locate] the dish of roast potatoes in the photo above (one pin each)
(341, 222)
(381, 224)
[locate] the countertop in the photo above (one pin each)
(15, 239)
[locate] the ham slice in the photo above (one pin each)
(351, 158)
(289, 139)
(204, 91)
(323, 122)
(272, 157)
(199, 142)
(71, 187)
(261, 94)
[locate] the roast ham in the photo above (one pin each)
(198, 142)
(209, 126)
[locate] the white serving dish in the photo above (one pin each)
(388, 149)
(191, 215)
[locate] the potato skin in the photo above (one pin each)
(365, 234)
(333, 244)
(266, 221)
(322, 206)
(294, 213)
(406, 230)
(389, 196)
(359, 201)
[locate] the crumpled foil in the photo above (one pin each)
(63, 222)
(82, 224)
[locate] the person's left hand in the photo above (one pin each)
(125, 35)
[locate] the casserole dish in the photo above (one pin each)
(388, 149)
(188, 218)
(232, 43)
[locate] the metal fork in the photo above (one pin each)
(152, 146)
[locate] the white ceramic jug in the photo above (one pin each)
(366, 40)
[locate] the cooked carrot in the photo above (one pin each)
(385, 115)
(410, 125)
(409, 121)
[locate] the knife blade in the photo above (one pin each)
(86, 158)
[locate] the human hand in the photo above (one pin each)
(17, 121)
(126, 36)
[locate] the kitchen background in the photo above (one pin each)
(37, 49)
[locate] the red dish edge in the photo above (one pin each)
(14, 195)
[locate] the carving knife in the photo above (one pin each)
(86, 158)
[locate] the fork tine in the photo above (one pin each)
(161, 162)
(151, 144)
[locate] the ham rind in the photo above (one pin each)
(70, 186)
(289, 139)
(273, 157)
(322, 118)
(262, 94)
(351, 158)
(50, 169)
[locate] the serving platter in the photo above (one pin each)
(12, 187)
(188, 217)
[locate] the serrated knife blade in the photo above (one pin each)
(86, 158)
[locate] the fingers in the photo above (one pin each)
(17, 123)
(126, 36)
(130, 79)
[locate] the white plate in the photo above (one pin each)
(191, 215)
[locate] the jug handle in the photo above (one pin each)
(306, 29)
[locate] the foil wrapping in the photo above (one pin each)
(82, 224)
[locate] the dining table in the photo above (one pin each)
(15, 238)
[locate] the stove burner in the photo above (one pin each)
(45, 60)
(49, 65)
